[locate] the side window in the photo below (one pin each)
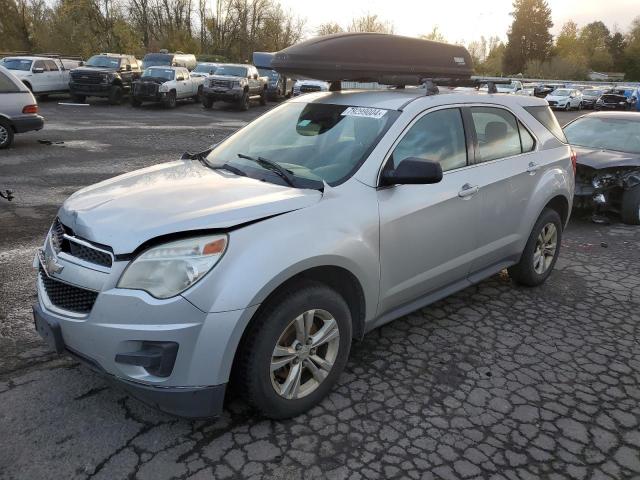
(39, 64)
(437, 136)
(51, 65)
(7, 85)
(527, 141)
(497, 132)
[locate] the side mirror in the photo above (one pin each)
(128, 68)
(412, 171)
(38, 70)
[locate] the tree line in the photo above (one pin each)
(233, 29)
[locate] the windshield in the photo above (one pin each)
(231, 71)
(103, 62)
(561, 93)
(157, 60)
(314, 141)
(17, 64)
(202, 68)
(593, 93)
(267, 72)
(164, 73)
(605, 133)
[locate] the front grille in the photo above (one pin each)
(552, 103)
(220, 83)
(145, 88)
(71, 247)
(310, 88)
(87, 77)
(68, 297)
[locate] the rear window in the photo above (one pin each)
(546, 117)
(7, 85)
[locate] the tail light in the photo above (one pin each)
(30, 109)
(574, 160)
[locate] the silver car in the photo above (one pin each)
(18, 108)
(259, 261)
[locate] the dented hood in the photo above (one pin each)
(598, 158)
(174, 197)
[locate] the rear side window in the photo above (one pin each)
(528, 142)
(7, 85)
(497, 132)
(546, 117)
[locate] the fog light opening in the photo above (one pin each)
(157, 358)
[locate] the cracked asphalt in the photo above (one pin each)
(497, 381)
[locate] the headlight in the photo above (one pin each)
(596, 182)
(163, 88)
(169, 269)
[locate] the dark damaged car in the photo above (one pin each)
(608, 164)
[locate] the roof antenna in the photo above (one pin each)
(335, 86)
(430, 87)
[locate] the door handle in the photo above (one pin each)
(468, 190)
(533, 168)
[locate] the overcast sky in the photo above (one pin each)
(460, 20)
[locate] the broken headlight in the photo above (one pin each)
(602, 181)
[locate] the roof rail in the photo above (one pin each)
(45, 55)
(431, 84)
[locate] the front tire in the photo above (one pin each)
(567, 107)
(630, 211)
(207, 101)
(244, 102)
(295, 350)
(78, 98)
(115, 95)
(171, 100)
(541, 251)
(6, 134)
(263, 97)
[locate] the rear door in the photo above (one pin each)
(510, 169)
(428, 232)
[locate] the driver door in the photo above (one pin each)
(428, 233)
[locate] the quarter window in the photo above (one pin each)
(438, 136)
(497, 132)
(527, 141)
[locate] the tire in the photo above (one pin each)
(630, 210)
(529, 271)
(135, 103)
(266, 389)
(567, 107)
(198, 97)
(263, 97)
(78, 98)
(207, 101)
(115, 95)
(6, 134)
(171, 101)
(580, 106)
(243, 104)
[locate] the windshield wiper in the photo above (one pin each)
(202, 158)
(279, 170)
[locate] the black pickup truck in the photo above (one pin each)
(107, 75)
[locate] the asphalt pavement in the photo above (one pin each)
(496, 381)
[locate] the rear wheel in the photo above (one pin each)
(6, 134)
(115, 95)
(630, 211)
(295, 351)
(541, 251)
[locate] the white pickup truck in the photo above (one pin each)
(166, 85)
(42, 75)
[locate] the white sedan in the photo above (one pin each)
(565, 98)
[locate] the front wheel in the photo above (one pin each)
(541, 251)
(207, 101)
(78, 98)
(171, 101)
(263, 97)
(198, 97)
(135, 103)
(567, 107)
(630, 211)
(244, 102)
(295, 350)
(115, 95)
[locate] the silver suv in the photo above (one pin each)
(260, 260)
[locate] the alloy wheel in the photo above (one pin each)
(304, 354)
(546, 246)
(4, 135)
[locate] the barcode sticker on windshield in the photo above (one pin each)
(364, 112)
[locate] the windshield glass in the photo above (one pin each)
(103, 62)
(605, 133)
(17, 64)
(157, 60)
(164, 73)
(231, 71)
(267, 72)
(593, 93)
(314, 141)
(561, 93)
(202, 68)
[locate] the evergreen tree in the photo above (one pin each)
(529, 37)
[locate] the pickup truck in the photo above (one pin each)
(107, 75)
(166, 85)
(235, 83)
(42, 75)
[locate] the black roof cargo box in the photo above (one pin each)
(262, 59)
(373, 57)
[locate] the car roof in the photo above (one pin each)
(29, 57)
(16, 81)
(398, 98)
(613, 114)
(235, 65)
(167, 67)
